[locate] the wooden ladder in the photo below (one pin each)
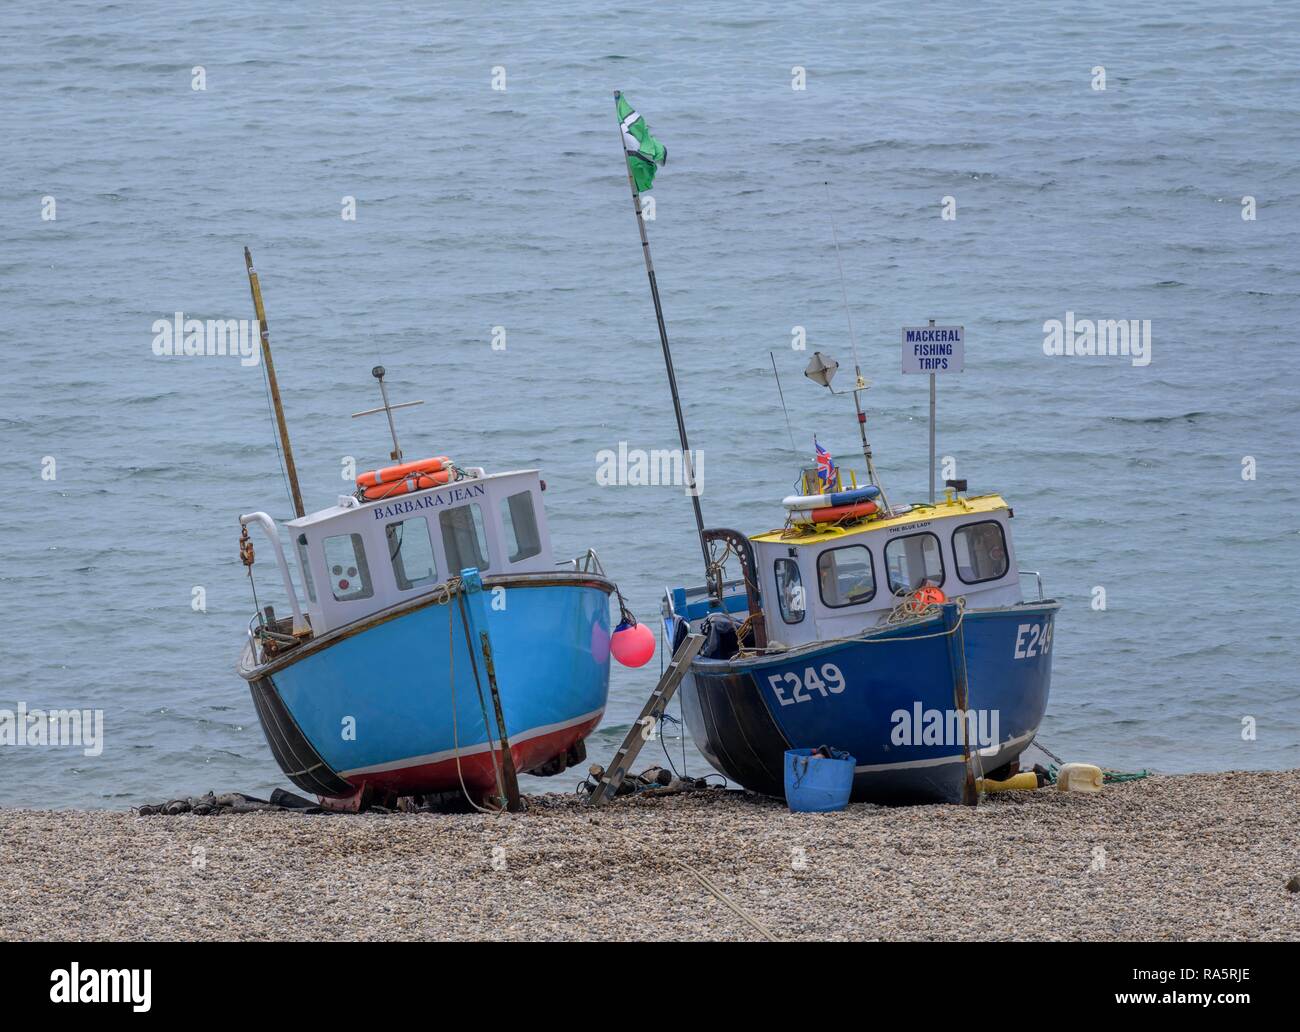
(651, 713)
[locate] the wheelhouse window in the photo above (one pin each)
(345, 559)
(464, 538)
(846, 576)
(411, 550)
(913, 562)
(981, 551)
(520, 522)
(305, 567)
(789, 591)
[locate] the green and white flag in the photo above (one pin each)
(644, 153)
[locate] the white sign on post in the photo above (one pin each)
(934, 349)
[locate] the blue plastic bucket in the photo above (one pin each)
(817, 784)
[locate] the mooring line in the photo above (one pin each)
(749, 919)
(452, 587)
(713, 888)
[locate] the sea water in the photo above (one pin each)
(440, 189)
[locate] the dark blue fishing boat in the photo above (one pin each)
(902, 638)
(898, 633)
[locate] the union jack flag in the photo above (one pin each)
(825, 466)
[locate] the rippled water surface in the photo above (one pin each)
(479, 208)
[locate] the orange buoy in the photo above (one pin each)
(929, 595)
(413, 482)
(391, 474)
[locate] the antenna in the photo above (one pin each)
(378, 373)
(822, 367)
(772, 356)
(844, 291)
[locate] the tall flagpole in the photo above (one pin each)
(663, 339)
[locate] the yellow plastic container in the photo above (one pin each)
(1079, 777)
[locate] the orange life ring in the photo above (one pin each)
(414, 482)
(835, 513)
(391, 474)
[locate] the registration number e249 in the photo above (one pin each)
(790, 688)
(1033, 640)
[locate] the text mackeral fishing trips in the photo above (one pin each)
(932, 348)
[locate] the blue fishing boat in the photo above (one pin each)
(902, 638)
(434, 645)
(899, 634)
(383, 688)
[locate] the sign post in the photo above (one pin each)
(933, 349)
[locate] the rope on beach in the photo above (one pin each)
(656, 780)
(649, 784)
(1113, 776)
(1108, 776)
(727, 901)
(231, 802)
(712, 886)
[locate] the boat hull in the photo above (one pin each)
(393, 703)
(887, 698)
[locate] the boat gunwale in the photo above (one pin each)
(436, 596)
(749, 663)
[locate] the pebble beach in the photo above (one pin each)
(1168, 858)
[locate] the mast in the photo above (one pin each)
(866, 445)
(290, 470)
(861, 384)
(663, 340)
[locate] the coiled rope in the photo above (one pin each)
(866, 637)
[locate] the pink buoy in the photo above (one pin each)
(632, 644)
